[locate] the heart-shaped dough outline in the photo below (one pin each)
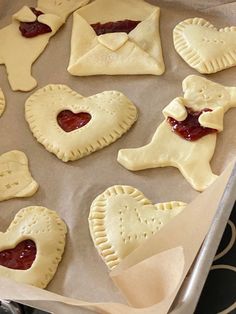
(107, 223)
(204, 63)
(48, 231)
(42, 108)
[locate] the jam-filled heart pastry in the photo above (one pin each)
(116, 37)
(186, 139)
(2, 102)
(72, 126)
(32, 246)
(122, 218)
(29, 34)
(15, 177)
(203, 47)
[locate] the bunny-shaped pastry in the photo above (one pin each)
(207, 102)
(17, 52)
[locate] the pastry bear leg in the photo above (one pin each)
(19, 74)
(198, 173)
(144, 157)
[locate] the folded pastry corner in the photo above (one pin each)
(115, 38)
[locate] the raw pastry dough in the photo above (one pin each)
(169, 149)
(2, 102)
(122, 218)
(15, 178)
(205, 48)
(139, 52)
(112, 115)
(19, 64)
(48, 231)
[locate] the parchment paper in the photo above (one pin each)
(70, 188)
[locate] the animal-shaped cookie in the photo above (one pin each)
(2, 102)
(32, 246)
(186, 139)
(72, 126)
(122, 218)
(203, 47)
(15, 178)
(22, 42)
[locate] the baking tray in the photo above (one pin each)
(189, 294)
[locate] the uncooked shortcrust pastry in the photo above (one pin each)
(204, 47)
(34, 242)
(72, 126)
(118, 49)
(15, 177)
(2, 102)
(187, 138)
(17, 52)
(122, 218)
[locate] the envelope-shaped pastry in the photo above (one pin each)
(116, 37)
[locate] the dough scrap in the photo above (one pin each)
(167, 148)
(18, 65)
(122, 218)
(138, 52)
(15, 178)
(112, 115)
(38, 224)
(2, 102)
(203, 47)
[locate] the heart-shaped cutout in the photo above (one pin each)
(112, 114)
(203, 47)
(32, 246)
(20, 257)
(70, 121)
(122, 218)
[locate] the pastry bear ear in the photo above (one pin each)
(232, 93)
(191, 81)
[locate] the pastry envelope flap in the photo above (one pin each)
(203, 46)
(48, 231)
(138, 52)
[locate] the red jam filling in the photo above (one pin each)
(70, 121)
(33, 29)
(190, 129)
(125, 26)
(21, 257)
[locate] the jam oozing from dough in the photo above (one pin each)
(21, 257)
(125, 26)
(190, 129)
(70, 121)
(33, 29)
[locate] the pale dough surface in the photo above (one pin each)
(205, 48)
(112, 115)
(2, 102)
(18, 65)
(48, 231)
(15, 178)
(122, 218)
(138, 52)
(167, 148)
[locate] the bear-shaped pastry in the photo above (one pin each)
(22, 41)
(186, 139)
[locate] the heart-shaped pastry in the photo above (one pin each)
(32, 246)
(203, 47)
(15, 178)
(122, 218)
(72, 126)
(2, 102)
